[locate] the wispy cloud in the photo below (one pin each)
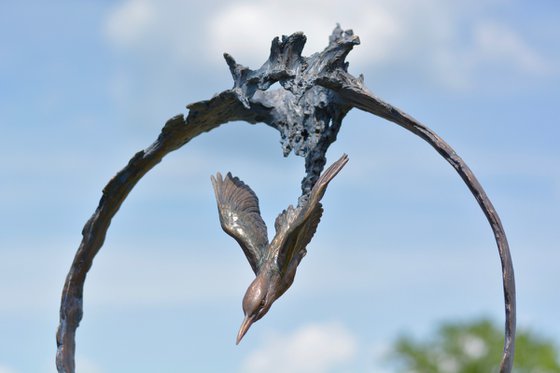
(488, 45)
(311, 348)
(131, 22)
(258, 22)
(499, 42)
(450, 42)
(6, 369)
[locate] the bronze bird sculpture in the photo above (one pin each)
(274, 263)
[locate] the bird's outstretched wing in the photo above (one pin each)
(296, 226)
(240, 216)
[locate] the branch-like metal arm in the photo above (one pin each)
(203, 117)
(352, 91)
(317, 92)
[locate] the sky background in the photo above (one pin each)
(402, 244)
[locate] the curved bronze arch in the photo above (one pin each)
(317, 93)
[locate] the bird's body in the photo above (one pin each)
(274, 263)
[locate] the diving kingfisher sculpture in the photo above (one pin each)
(274, 263)
(313, 96)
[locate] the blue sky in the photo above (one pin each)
(402, 244)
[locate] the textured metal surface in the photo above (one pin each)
(317, 92)
(274, 263)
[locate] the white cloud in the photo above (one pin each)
(6, 369)
(391, 31)
(167, 31)
(450, 42)
(497, 41)
(312, 348)
(489, 45)
(246, 29)
(131, 22)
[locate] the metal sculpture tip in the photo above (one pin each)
(245, 325)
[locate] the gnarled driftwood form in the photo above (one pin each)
(317, 92)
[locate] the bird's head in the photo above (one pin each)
(256, 303)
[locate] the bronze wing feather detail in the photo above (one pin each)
(296, 226)
(240, 217)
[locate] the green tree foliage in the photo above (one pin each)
(474, 347)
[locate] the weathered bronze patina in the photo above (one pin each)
(274, 263)
(317, 92)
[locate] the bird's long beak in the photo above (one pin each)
(245, 325)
